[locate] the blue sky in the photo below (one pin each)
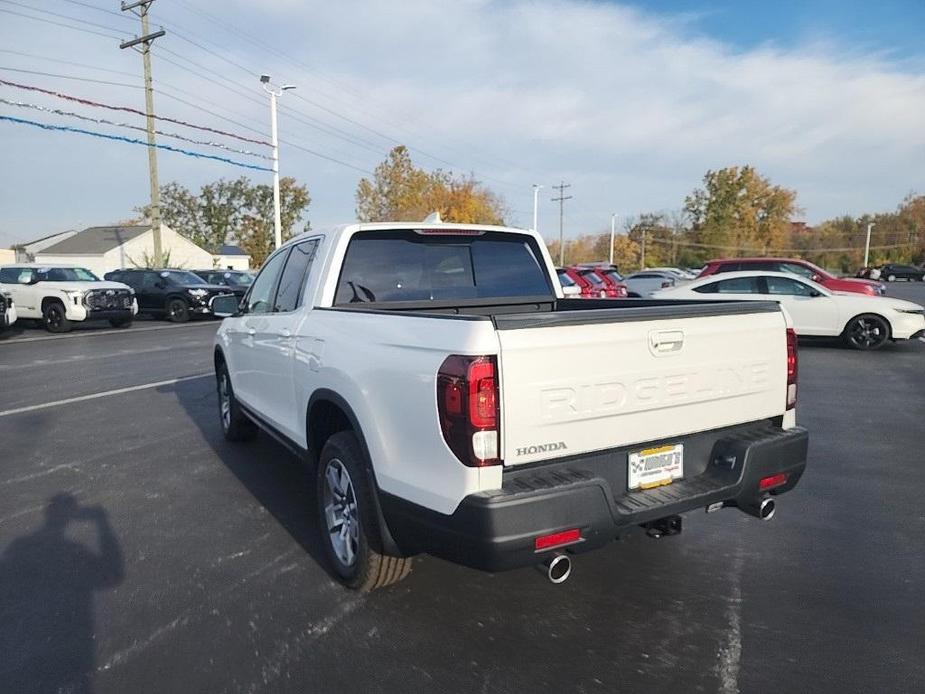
(892, 26)
(630, 102)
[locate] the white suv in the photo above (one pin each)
(60, 295)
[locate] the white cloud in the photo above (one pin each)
(628, 107)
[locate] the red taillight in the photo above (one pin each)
(791, 368)
(566, 537)
(467, 403)
(772, 481)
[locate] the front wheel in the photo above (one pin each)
(891, 278)
(867, 332)
(348, 520)
(177, 311)
(54, 318)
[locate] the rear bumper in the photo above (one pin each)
(496, 530)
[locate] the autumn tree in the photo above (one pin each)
(257, 232)
(399, 191)
(232, 211)
(739, 212)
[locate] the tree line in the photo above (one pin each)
(734, 212)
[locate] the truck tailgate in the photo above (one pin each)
(590, 380)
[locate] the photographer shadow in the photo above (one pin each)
(47, 584)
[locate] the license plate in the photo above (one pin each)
(654, 467)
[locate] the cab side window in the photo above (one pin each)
(149, 280)
(9, 275)
(260, 297)
(292, 281)
(783, 285)
(738, 285)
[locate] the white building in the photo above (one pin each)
(103, 249)
(232, 258)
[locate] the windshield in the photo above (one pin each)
(238, 279)
(182, 277)
(591, 276)
(65, 274)
(383, 266)
(613, 275)
(806, 270)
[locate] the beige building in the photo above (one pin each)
(103, 249)
(7, 256)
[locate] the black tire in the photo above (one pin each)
(121, 322)
(235, 424)
(370, 567)
(867, 332)
(54, 318)
(177, 311)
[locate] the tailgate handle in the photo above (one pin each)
(665, 341)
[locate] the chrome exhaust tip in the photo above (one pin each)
(762, 509)
(558, 568)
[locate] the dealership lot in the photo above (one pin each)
(209, 575)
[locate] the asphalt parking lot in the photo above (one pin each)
(141, 553)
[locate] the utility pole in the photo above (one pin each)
(561, 200)
(870, 226)
(643, 259)
(536, 196)
(613, 227)
(274, 95)
(142, 8)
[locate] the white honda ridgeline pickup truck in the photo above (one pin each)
(455, 403)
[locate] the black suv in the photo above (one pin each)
(236, 281)
(894, 272)
(174, 294)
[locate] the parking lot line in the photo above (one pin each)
(104, 394)
(94, 333)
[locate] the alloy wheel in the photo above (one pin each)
(868, 332)
(340, 512)
(224, 401)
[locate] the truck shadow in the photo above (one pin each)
(47, 584)
(277, 479)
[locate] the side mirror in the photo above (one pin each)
(813, 293)
(26, 279)
(225, 306)
(816, 278)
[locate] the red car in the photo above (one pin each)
(595, 286)
(795, 266)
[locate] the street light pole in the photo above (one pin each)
(277, 216)
(613, 226)
(870, 226)
(536, 194)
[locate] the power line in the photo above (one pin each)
(131, 140)
(60, 24)
(355, 95)
(65, 77)
(100, 9)
(59, 15)
(70, 63)
(129, 109)
(103, 121)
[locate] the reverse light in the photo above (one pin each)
(468, 405)
(792, 363)
(772, 481)
(566, 537)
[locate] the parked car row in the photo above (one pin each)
(60, 295)
(819, 303)
(891, 272)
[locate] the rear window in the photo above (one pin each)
(614, 275)
(410, 266)
(564, 279)
(591, 276)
